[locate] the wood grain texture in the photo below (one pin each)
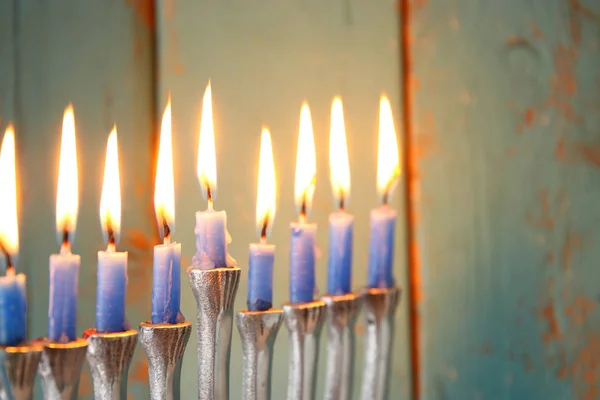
(264, 57)
(504, 187)
(99, 56)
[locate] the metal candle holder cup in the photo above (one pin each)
(164, 345)
(379, 308)
(342, 312)
(18, 366)
(214, 290)
(304, 322)
(109, 356)
(60, 368)
(258, 331)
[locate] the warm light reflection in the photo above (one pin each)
(207, 162)
(265, 199)
(110, 202)
(9, 229)
(306, 164)
(338, 155)
(164, 190)
(67, 193)
(388, 163)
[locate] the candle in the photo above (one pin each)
(262, 255)
(64, 267)
(211, 226)
(302, 247)
(13, 300)
(383, 218)
(166, 281)
(341, 223)
(112, 265)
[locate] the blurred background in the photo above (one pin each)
(497, 108)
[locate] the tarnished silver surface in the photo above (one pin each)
(258, 331)
(109, 356)
(379, 308)
(342, 312)
(164, 345)
(18, 366)
(60, 368)
(304, 323)
(215, 291)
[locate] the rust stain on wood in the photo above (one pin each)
(140, 371)
(552, 332)
(571, 244)
(580, 310)
(145, 11)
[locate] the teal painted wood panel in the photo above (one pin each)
(264, 58)
(99, 56)
(504, 188)
(7, 64)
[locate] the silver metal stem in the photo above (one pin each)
(164, 345)
(342, 312)
(18, 366)
(109, 356)
(60, 368)
(258, 331)
(215, 291)
(304, 323)
(379, 308)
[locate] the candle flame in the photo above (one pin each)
(265, 199)
(164, 190)
(67, 193)
(338, 154)
(306, 164)
(207, 163)
(110, 201)
(9, 229)
(388, 162)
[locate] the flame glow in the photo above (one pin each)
(67, 193)
(306, 164)
(388, 162)
(110, 202)
(207, 162)
(338, 154)
(265, 199)
(9, 228)
(164, 189)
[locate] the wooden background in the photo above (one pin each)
(498, 105)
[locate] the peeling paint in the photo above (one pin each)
(552, 328)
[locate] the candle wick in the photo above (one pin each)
(65, 237)
(342, 200)
(166, 230)
(263, 232)
(208, 193)
(111, 236)
(384, 198)
(9, 263)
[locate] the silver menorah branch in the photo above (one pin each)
(18, 366)
(214, 290)
(258, 331)
(164, 345)
(379, 309)
(60, 368)
(342, 312)
(304, 322)
(109, 356)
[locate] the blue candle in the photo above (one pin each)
(260, 277)
(383, 218)
(64, 267)
(341, 224)
(13, 308)
(339, 271)
(302, 262)
(166, 277)
(112, 265)
(381, 249)
(262, 255)
(302, 246)
(211, 226)
(13, 301)
(62, 306)
(111, 291)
